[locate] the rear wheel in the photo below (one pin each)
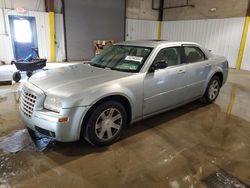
(212, 90)
(105, 124)
(16, 76)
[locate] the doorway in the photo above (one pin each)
(23, 35)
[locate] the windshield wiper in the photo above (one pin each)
(97, 65)
(122, 70)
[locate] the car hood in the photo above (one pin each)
(69, 80)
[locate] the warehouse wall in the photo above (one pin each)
(32, 5)
(222, 36)
(42, 27)
(43, 37)
(91, 20)
(220, 31)
(59, 38)
(202, 9)
(141, 29)
(246, 57)
(142, 9)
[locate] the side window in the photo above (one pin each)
(171, 55)
(194, 54)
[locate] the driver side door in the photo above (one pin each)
(165, 88)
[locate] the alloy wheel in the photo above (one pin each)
(214, 89)
(108, 124)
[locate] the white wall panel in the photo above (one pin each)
(1, 22)
(43, 33)
(59, 32)
(34, 5)
(222, 36)
(246, 57)
(42, 27)
(141, 29)
(43, 37)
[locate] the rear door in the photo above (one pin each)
(165, 88)
(198, 68)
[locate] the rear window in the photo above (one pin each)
(194, 54)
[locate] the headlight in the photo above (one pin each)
(53, 103)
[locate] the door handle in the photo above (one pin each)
(181, 71)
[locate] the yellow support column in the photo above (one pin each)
(159, 30)
(243, 43)
(52, 36)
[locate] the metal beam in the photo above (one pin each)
(172, 7)
(248, 9)
(161, 9)
(160, 19)
(64, 29)
(50, 5)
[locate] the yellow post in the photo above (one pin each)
(52, 36)
(243, 43)
(159, 30)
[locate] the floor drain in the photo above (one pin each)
(222, 179)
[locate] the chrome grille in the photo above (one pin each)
(27, 102)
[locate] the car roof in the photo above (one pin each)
(153, 43)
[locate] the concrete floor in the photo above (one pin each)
(174, 149)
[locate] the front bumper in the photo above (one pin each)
(47, 122)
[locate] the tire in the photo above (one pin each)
(16, 76)
(105, 124)
(212, 91)
(29, 74)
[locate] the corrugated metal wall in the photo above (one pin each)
(222, 36)
(43, 37)
(246, 57)
(59, 32)
(6, 53)
(32, 5)
(140, 29)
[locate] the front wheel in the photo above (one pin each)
(212, 90)
(106, 123)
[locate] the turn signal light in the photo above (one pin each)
(63, 119)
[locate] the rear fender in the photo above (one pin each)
(212, 72)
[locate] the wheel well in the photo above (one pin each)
(118, 98)
(220, 75)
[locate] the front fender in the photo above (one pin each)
(107, 91)
(130, 87)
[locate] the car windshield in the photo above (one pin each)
(122, 58)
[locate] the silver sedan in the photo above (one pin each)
(127, 82)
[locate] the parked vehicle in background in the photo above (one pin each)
(126, 83)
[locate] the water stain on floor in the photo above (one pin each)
(16, 141)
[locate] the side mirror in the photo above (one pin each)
(158, 65)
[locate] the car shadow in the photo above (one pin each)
(81, 148)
